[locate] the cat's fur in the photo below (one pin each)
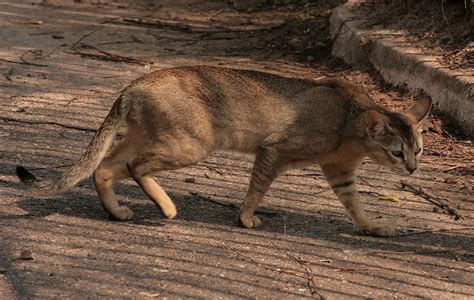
(177, 117)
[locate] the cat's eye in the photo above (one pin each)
(397, 154)
(418, 151)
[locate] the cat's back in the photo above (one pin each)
(220, 81)
(247, 94)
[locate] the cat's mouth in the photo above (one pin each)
(404, 171)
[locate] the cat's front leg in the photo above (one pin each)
(265, 170)
(342, 181)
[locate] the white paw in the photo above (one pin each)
(250, 222)
(376, 229)
(169, 212)
(123, 213)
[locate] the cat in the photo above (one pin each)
(177, 117)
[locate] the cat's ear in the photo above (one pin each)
(421, 109)
(376, 124)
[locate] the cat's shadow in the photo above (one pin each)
(319, 226)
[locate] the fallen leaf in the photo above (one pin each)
(389, 198)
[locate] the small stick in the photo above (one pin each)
(233, 205)
(70, 101)
(133, 40)
(436, 230)
(160, 24)
(451, 168)
(432, 199)
(258, 264)
(309, 274)
(32, 122)
(311, 175)
(371, 193)
(417, 252)
(108, 57)
(207, 199)
(22, 63)
(351, 270)
(187, 28)
(305, 275)
(217, 13)
(47, 32)
(93, 31)
(214, 170)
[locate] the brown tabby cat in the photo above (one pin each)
(177, 117)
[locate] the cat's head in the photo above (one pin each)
(394, 139)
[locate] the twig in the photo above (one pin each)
(207, 199)
(108, 57)
(451, 168)
(371, 193)
(70, 101)
(233, 205)
(22, 63)
(443, 11)
(305, 275)
(39, 22)
(116, 42)
(214, 170)
(436, 230)
(92, 32)
(445, 56)
(258, 264)
(188, 28)
(432, 199)
(133, 40)
(309, 274)
(352, 270)
(417, 252)
(46, 32)
(311, 175)
(5, 119)
(217, 13)
(160, 24)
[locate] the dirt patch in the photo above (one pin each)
(437, 27)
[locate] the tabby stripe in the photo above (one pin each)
(346, 193)
(344, 184)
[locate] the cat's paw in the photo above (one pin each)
(382, 230)
(376, 229)
(169, 212)
(250, 221)
(122, 213)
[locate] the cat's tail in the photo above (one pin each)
(89, 161)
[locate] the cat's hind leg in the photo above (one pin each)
(110, 170)
(162, 157)
(155, 192)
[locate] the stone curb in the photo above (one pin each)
(452, 91)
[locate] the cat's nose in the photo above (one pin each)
(411, 169)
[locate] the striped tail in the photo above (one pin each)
(89, 161)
